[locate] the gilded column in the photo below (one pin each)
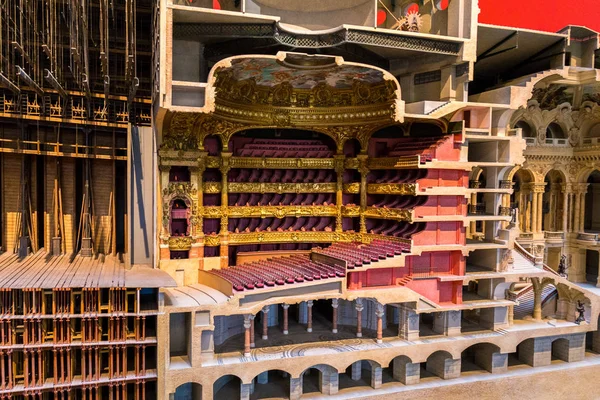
(364, 172)
(339, 191)
(224, 233)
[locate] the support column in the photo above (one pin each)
(566, 211)
(359, 309)
(339, 169)
(376, 376)
(309, 306)
(224, 232)
(246, 390)
(536, 352)
(334, 304)
(247, 326)
(295, 388)
(405, 371)
(442, 366)
(356, 371)
(252, 344)
(265, 323)
(582, 193)
(577, 211)
(408, 323)
(537, 302)
(329, 381)
(379, 313)
(364, 172)
(285, 318)
(540, 208)
(534, 211)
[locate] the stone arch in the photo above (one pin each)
(405, 370)
(368, 371)
(556, 130)
(188, 391)
(483, 356)
(271, 383)
(443, 364)
(527, 131)
(554, 205)
(172, 201)
(326, 379)
(227, 387)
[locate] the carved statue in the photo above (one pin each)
(581, 311)
(562, 266)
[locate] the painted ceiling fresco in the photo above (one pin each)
(269, 72)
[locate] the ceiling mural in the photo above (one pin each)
(270, 72)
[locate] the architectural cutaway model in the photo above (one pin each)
(266, 199)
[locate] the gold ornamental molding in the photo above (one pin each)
(180, 243)
(351, 188)
(351, 210)
(299, 237)
(282, 163)
(392, 188)
(211, 187)
(394, 162)
(396, 214)
(180, 189)
(271, 211)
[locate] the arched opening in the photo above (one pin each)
(522, 199)
(554, 131)
(179, 218)
(319, 379)
(591, 222)
(553, 202)
(405, 371)
(212, 145)
(440, 364)
(526, 130)
(594, 131)
(281, 143)
(560, 350)
(364, 373)
(271, 384)
(188, 391)
(482, 357)
(227, 387)
(592, 260)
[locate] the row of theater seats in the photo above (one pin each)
(281, 148)
(280, 175)
(302, 224)
(357, 254)
(278, 271)
(283, 199)
(404, 202)
(424, 146)
(393, 228)
(396, 176)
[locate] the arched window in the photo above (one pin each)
(526, 129)
(554, 131)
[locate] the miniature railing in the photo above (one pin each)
(530, 141)
(477, 209)
(589, 141)
(62, 149)
(526, 236)
(592, 237)
(537, 261)
(556, 142)
(554, 235)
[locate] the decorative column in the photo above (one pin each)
(565, 215)
(265, 323)
(379, 313)
(335, 304)
(339, 191)
(583, 187)
(285, 318)
(252, 344)
(309, 306)
(540, 199)
(577, 195)
(197, 220)
(359, 309)
(224, 233)
(247, 326)
(534, 209)
(364, 172)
